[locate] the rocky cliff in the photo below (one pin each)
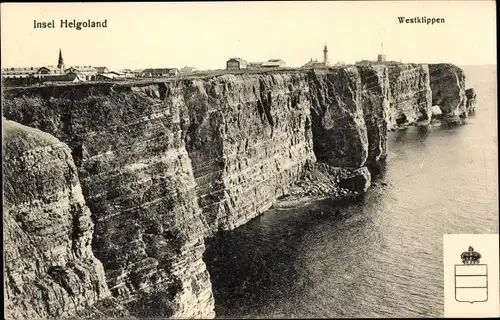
(411, 95)
(376, 98)
(448, 90)
(137, 179)
(248, 139)
(164, 164)
(50, 269)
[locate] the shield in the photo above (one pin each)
(471, 278)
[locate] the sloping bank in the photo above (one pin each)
(164, 164)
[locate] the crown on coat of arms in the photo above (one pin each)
(470, 256)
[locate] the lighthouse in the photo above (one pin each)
(325, 55)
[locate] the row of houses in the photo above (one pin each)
(164, 72)
(238, 63)
(83, 72)
(90, 73)
(49, 74)
(33, 75)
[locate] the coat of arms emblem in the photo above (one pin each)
(471, 278)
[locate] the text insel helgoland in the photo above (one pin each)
(70, 24)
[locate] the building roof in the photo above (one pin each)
(49, 68)
(22, 69)
(255, 64)
(273, 63)
(101, 69)
(159, 71)
(237, 60)
(188, 69)
(107, 75)
(82, 68)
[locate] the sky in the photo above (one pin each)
(205, 35)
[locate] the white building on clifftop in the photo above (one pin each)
(317, 64)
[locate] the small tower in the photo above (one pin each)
(60, 63)
(325, 55)
(381, 57)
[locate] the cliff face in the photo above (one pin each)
(164, 164)
(448, 89)
(410, 94)
(351, 115)
(50, 270)
(375, 95)
(339, 129)
(137, 178)
(248, 139)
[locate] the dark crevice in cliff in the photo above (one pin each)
(265, 102)
(260, 108)
(307, 128)
(401, 120)
(338, 127)
(76, 231)
(267, 108)
(317, 114)
(61, 277)
(164, 91)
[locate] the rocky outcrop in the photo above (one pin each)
(321, 180)
(164, 164)
(410, 94)
(50, 269)
(471, 96)
(448, 90)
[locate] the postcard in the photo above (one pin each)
(250, 159)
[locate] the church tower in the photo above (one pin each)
(325, 55)
(60, 63)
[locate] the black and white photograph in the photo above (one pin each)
(250, 159)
